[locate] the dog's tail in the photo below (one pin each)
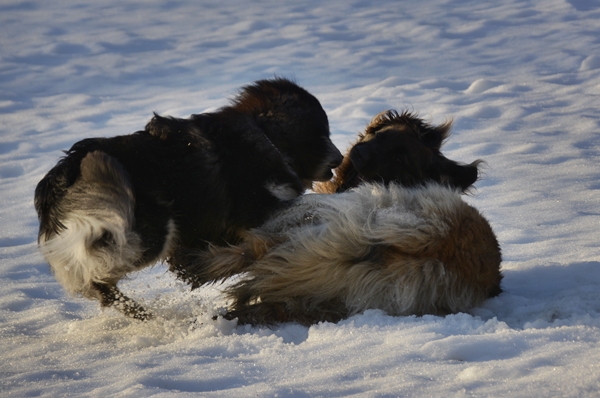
(89, 240)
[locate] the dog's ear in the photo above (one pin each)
(49, 193)
(461, 176)
(104, 180)
(379, 121)
(434, 137)
(100, 168)
(164, 128)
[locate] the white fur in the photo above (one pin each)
(282, 191)
(170, 240)
(77, 264)
(346, 226)
(100, 201)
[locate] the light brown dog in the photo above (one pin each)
(405, 251)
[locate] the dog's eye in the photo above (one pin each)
(105, 240)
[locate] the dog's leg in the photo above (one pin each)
(270, 313)
(258, 314)
(217, 263)
(111, 296)
(250, 307)
(198, 268)
(180, 264)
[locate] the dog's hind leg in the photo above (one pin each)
(200, 267)
(217, 263)
(111, 296)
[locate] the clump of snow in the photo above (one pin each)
(480, 86)
(590, 63)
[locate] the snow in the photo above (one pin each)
(520, 78)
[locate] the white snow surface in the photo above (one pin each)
(520, 78)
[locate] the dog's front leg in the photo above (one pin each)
(111, 296)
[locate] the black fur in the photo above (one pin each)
(212, 175)
(401, 148)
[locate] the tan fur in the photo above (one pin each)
(404, 251)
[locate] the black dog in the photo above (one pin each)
(115, 205)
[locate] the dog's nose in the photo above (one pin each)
(336, 160)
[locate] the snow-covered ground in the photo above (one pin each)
(521, 78)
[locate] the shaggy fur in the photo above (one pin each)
(405, 251)
(115, 205)
(395, 148)
(400, 148)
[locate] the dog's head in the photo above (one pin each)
(296, 123)
(402, 148)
